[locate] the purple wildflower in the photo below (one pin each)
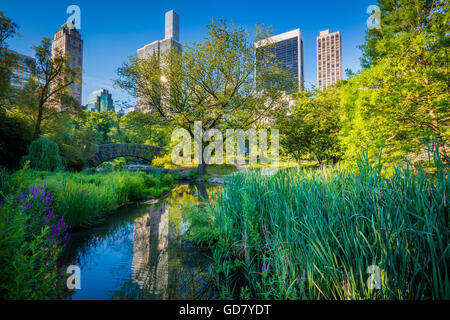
(22, 197)
(265, 267)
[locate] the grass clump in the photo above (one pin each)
(314, 234)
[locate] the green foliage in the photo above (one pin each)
(193, 174)
(43, 155)
(406, 74)
(8, 29)
(313, 126)
(163, 162)
(313, 234)
(145, 128)
(48, 93)
(400, 96)
(212, 81)
(27, 272)
(84, 198)
(28, 266)
(15, 135)
(103, 127)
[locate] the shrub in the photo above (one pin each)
(167, 180)
(15, 135)
(28, 255)
(164, 162)
(43, 154)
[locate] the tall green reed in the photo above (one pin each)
(314, 234)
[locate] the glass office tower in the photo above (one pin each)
(22, 69)
(287, 50)
(100, 100)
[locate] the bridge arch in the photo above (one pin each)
(106, 152)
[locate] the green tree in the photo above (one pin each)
(104, 126)
(145, 128)
(212, 81)
(44, 155)
(7, 30)
(15, 135)
(313, 125)
(406, 71)
(49, 89)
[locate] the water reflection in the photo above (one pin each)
(138, 253)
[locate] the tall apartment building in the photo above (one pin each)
(171, 40)
(67, 41)
(287, 49)
(100, 100)
(22, 69)
(329, 58)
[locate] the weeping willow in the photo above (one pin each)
(43, 155)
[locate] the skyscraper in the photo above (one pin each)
(100, 100)
(67, 41)
(172, 37)
(329, 58)
(287, 49)
(22, 69)
(171, 40)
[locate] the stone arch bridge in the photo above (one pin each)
(106, 152)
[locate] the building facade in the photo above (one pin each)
(67, 42)
(22, 69)
(100, 100)
(329, 58)
(171, 40)
(287, 49)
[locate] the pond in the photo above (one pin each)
(138, 253)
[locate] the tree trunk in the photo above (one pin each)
(37, 127)
(202, 168)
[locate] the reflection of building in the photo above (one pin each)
(150, 254)
(162, 267)
(171, 40)
(67, 42)
(100, 100)
(22, 70)
(287, 50)
(329, 58)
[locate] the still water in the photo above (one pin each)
(138, 253)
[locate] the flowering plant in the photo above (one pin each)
(38, 205)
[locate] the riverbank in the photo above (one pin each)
(321, 234)
(83, 198)
(38, 212)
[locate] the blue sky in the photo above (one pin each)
(114, 30)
